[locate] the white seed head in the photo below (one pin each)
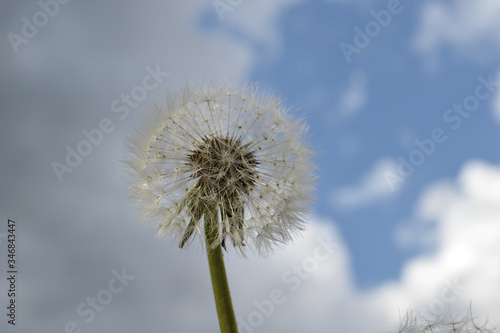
(225, 150)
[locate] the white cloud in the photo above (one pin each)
(370, 188)
(420, 231)
(355, 97)
(463, 269)
(313, 282)
(470, 28)
(467, 236)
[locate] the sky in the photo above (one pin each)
(402, 100)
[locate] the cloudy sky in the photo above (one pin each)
(403, 104)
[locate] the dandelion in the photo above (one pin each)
(226, 164)
(214, 148)
(445, 322)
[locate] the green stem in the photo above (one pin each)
(223, 303)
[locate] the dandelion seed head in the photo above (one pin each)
(214, 147)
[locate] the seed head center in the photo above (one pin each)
(223, 166)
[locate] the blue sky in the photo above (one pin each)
(396, 247)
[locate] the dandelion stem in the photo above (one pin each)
(223, 303)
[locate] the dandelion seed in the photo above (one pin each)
(215, 148)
